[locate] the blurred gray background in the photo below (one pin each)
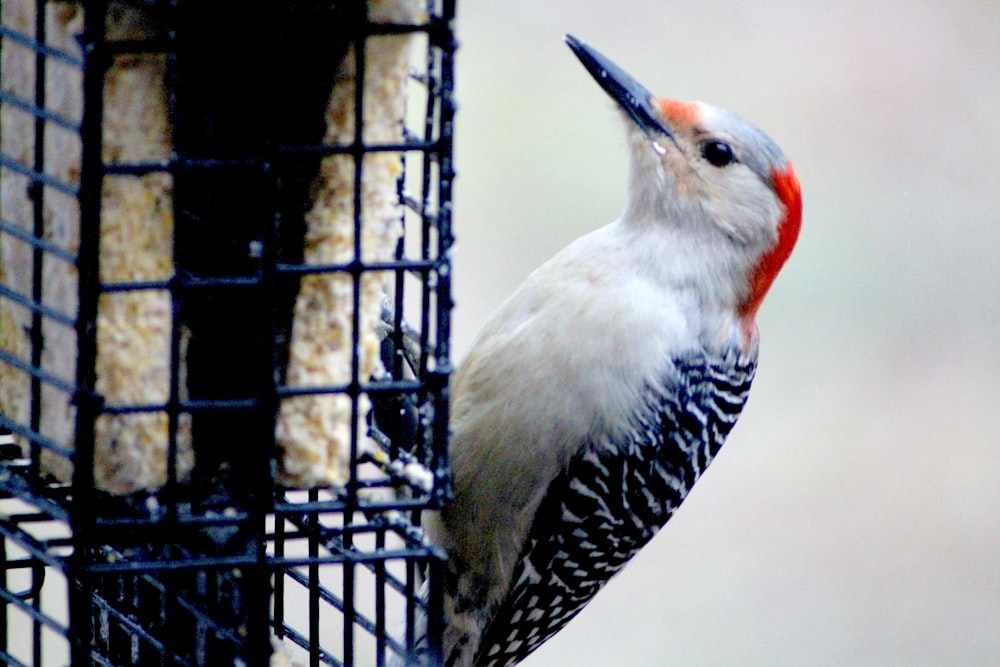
(853, 518)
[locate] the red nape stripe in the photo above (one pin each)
(786, 185)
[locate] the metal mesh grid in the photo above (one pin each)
(215, 563)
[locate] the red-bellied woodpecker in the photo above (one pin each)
(599, 392)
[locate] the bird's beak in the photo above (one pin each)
(623, 89)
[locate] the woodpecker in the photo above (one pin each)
(599, 392)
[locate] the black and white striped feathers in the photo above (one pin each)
(610, 501)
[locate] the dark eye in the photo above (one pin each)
(717, 153)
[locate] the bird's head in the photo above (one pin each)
(714, 179)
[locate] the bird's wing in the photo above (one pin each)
(610, 501)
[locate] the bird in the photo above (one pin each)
(598, 393)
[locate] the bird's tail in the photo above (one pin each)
(415, 654)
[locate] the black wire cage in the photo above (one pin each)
(224, 330)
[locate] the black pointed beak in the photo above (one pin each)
(631, 95)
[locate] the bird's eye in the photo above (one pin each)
(717, 153)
